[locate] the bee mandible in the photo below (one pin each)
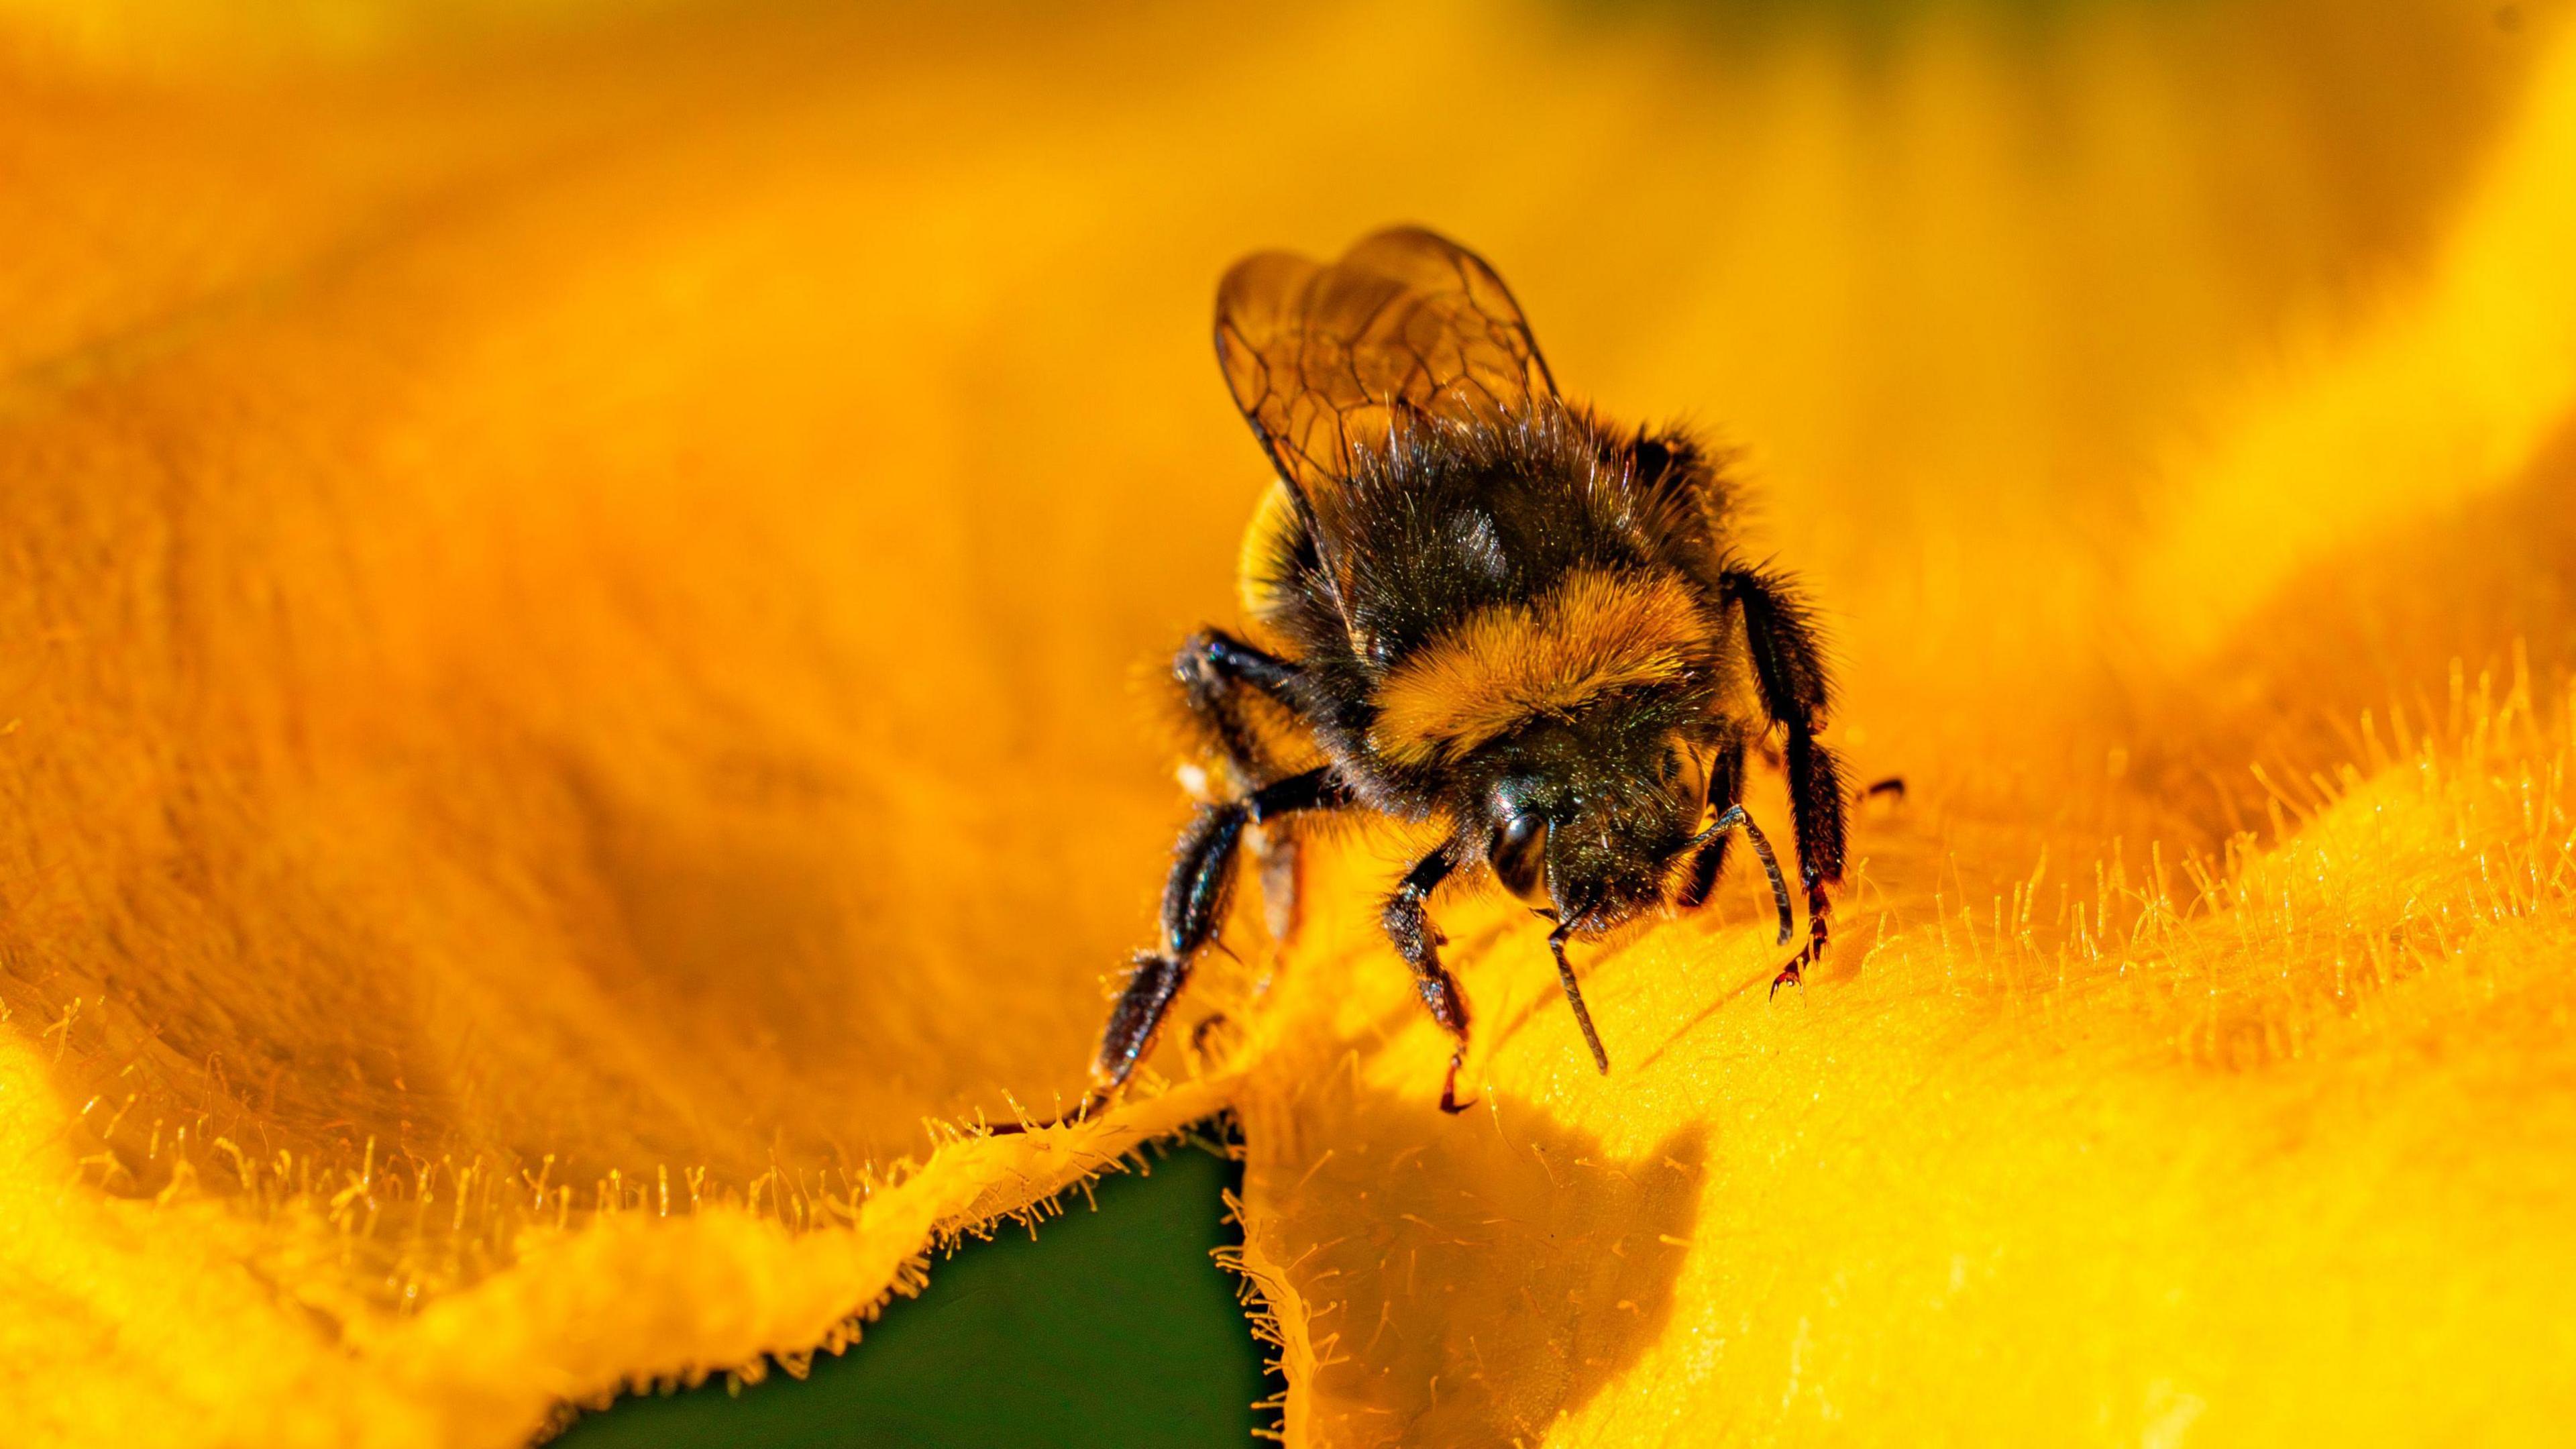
(1484, 608)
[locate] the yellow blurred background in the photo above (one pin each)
(581, 591)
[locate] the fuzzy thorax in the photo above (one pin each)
(1596, 632)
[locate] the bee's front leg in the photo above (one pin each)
(1418, 941)
(1725, 788)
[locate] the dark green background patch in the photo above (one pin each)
(1111, 1327)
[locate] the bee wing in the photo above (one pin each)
(1321, 358)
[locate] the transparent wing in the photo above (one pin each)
(1321, 358)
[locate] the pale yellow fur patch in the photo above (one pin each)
(1596, 632)
(1271, 522)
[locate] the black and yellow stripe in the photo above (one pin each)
(1596, 632)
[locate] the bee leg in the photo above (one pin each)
(1789, 671)
(1194, 901)
(1418, 941)
(1213, 669)
(1735, 818)
(1209, 668)
(1574, 997)
(1725, 789)
(1154, 981)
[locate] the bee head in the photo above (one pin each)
(1586, 817)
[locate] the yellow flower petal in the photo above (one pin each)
(2106, 1123)
(529, 771)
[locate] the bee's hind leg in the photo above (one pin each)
(1418, 941)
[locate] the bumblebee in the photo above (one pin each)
(1477, 605)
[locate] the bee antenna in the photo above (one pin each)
(1574, 996)
(1735, 818)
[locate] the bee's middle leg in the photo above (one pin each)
(1194, 902)
(1788, 669)
(1211, 669)
(1215, 670)
(1418, 941)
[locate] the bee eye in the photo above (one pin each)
(1519, 855)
